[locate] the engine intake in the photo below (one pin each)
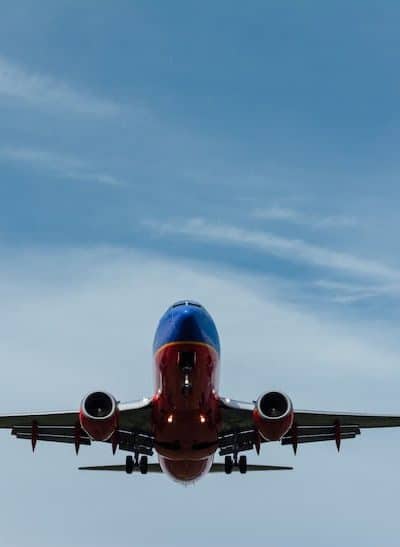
(273, 415)
(99, 415)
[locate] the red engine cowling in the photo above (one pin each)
(273, 415)
(99, 415)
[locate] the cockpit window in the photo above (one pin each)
(187, 303)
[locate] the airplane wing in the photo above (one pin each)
(134, 433)
(238, 433)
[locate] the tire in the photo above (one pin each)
(129, 465)
(228, 465)
(143, 465)
(243, 464)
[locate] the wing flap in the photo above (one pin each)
(53, 438)
(51, 431)
(317, 438)
(127, 441)
(305, 431)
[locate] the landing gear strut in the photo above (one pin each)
(187, 361)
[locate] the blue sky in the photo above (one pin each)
(245, 155)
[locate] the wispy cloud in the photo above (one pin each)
(47, 92)
(87, 319)
(345, 293)
(294, 250)
(293, 216)
(60, 165)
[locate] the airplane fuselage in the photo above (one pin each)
(185, 411)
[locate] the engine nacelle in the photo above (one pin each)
(99, 415)
(273, 415)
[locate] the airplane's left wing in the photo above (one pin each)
(134, 432)
(238, 431)
(57, 426)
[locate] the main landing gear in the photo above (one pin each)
(241, 464)
(141, 463)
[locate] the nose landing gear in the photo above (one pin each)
(186, 362)
(187, 385)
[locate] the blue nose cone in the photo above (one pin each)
(186, 322)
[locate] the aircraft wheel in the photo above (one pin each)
(243, 464)
(143, 465)
(129, 465)
(228, 465)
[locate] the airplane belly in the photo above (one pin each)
(187, 437)
(186, 470)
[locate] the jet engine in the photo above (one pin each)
(273, 415)
(99, 415)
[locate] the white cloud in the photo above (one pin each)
(83, 301)
(276, 213)
(46, 92)
(294, 216)
(61, 165)
(295, 250)
(84, 319)
(348, 292)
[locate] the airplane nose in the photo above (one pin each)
(186, 322)
(187, 325)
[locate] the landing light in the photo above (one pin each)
(202, 419)
(170, 419)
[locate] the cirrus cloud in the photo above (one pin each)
(40, 90)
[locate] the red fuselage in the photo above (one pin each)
(185, 409)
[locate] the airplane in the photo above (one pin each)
(186, 421)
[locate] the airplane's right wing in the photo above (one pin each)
(309, 426)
